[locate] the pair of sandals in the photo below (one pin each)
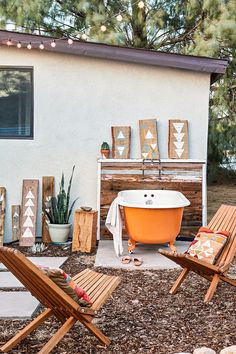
(127, 259)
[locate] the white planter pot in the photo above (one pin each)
(59, 232)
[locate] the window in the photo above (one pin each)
(16, 103)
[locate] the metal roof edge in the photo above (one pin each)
(213, 66)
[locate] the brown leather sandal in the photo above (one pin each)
(126, 259)
(137, 261)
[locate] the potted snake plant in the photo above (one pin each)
(58, 211)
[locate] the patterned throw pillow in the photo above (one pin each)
(208, 245)
(65, 282)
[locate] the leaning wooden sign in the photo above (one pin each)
(29, 211)
(2, 213)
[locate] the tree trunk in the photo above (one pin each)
(138, 23)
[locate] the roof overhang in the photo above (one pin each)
(215, 67)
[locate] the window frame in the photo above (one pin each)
(31, 71)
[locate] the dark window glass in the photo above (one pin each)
(16, 103)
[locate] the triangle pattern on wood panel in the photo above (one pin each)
(27, 233)
(29, 203)
(178, 127)
(179, 152)
(179, 136)
(120, 135)
(29, 195)
(120, 149)
(149, 135)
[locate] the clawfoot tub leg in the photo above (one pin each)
(172, 247)
(131, 245)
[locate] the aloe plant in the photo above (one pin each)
(58, 209)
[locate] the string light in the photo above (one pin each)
(141, 4)
(103, 28)
(84, 36)
(119, 18)
(53, 44)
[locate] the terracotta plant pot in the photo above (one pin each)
(105, 153)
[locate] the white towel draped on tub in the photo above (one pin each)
(114, 225)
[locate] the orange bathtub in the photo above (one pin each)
(152, 216)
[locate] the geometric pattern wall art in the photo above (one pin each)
(178, 139)
(148, 139)
(121, 142)
(2, 213)
(29, 211)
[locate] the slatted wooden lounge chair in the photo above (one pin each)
(98, 286)
(224, 219)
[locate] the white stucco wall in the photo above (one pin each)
(77, 100)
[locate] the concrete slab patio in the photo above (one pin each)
(52, 262)
(8, 280)
(21, 304)
(17, 305)
(151, 258)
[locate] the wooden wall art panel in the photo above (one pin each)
(121, 142)
(29, 211)
(178, 139)
(47, 193)
(15, 219)
(148, 139)
(2, 213)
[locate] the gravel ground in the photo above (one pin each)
(141, 317)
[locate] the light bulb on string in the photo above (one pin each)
(29, 46)
(9, 42)
(53, 44)
(119, 18)
(70, 41)
(19, 45)
(103, 28)
(141, 4)
(41, 46)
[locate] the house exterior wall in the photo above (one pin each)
(77, 100)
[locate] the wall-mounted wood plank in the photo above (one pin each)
(148, 139)
(188, 181)
(15, 218)
(47, 193)
(29, 207)
(178, 139)
(121, 142)
(2, 213)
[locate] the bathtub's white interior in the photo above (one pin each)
(153, 199)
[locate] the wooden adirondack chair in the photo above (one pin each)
(224, 219)
(98, 286)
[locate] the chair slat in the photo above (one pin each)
(92, 278)
(103, 297)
